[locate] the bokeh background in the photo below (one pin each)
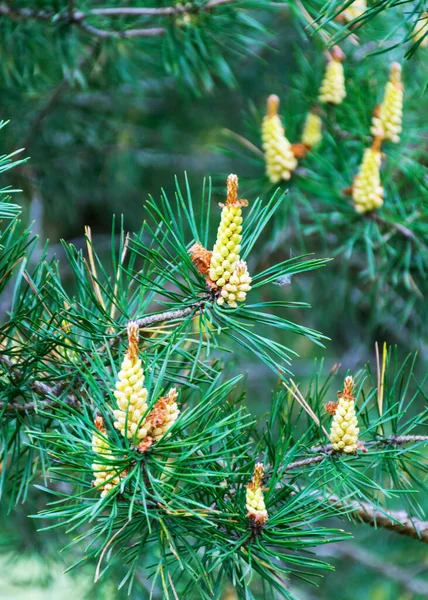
(108, 122)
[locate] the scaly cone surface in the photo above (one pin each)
(131, 396)
(226, 249)
(312, 130)
(279, 158)
(344, 429)
(106, 475)
(367, 190)
(332, 88)
(255, 504)
(386, 123)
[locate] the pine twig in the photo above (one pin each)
(40, 388)
(78, 18)
(398, 521)
(172, 315)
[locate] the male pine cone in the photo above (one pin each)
(237, 287)
(312, 130)
(367, 190)
(344, 429)
(279, 158)
(106, 475)
(386, 123)
(255, 503)
(332, 88)
(131, 396)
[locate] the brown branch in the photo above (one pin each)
(38, 387)
(327, 451)
(130, 33)
(167, 316)
(78, 18)
(398, 521)
(42, 389)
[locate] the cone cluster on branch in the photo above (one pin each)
(344, 429)
(133, 419)
(367, 190)
(226, 274)
(255, 504)
(131, 397)
(107, 476)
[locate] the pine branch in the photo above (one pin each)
(53, 393)
(79, 17)
(130, 33)
(166, 316)
(398, 521)
(327, 450)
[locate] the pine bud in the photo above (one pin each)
(367, 191)
(201, 257)
(421, 31)
(332, 88)
(226, 250)
(344, 429)
(106, 476)
(312, 130)
(354, 10)
(279, 157)
(386, 123)
(237, 287)
(131, 396)
(255, 504)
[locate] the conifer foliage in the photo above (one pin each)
(129, 430)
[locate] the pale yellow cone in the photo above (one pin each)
(344, 428)
(279, 158)
(255, 504)
(367, 190)
(386, 124)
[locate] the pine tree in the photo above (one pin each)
(150, 419)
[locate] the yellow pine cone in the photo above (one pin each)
(386, 124)
(332, 88)
(237, 287)
(421, 31)
(367, 191)
(312, 130)
(131, 396)
(227, 247)
(279, 158)
(344, 429)
(255, 504)
(106, 476)
(354, 10)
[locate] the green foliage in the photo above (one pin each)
(381, 258)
